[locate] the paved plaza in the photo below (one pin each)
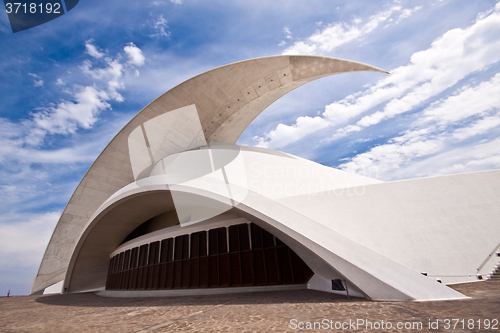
(257, 312)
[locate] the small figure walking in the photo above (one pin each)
(8, 293)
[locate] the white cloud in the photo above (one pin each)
(11, 138)
(455, 55)
(468, 112)
(288, 36)
(92, 50)
(38, 82)
(287, 32)
(478, 157)
(177, 2)
(284, 133)
(81, 109)
(479, 127)
(337, 34)
(22, 244)
(79, 153)
(135, 54)
(392, 155)
(405, 13)
(342, 132)
(67, 116)
(113, 70)
(20, 147)
(458, 53)
(160, 26)
(466, 102)
(471, 157)
(110, 74)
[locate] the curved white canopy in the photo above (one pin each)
(226, 100)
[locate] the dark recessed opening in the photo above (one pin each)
(337, 285)
(235, 256)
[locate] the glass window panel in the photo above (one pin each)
(178, 248)
(203, 244)
(222, 237)
(234, 241)
(195, 245)
(185, 247)
(268, 239)
(256, 237)
(213, 241)
(244, 237)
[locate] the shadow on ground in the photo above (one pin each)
(275, 297)
(251, 312)
(483, 289)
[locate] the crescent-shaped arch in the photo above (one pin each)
(226, 99)
(326, 249)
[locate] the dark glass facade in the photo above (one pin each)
(235, 256)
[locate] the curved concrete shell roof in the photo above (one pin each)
(225, 100)
(328, 252)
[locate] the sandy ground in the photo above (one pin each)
(259, 312)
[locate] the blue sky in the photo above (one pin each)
(68, 86)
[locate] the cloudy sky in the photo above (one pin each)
(68, 86)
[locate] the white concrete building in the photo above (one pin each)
(173, 207)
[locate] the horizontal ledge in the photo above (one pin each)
(198, 292)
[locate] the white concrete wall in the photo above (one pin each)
(378, 236)
(227, 99)
(223, 220)
(443, 226)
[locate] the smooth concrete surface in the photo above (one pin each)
(324, 246)
(319, 283)
(172, 132)
(377, 237)
(105, 232)
(226, 99)
(223, 220)
(446, 227)
(199, 292)
(375, 276)
(227, 219)
(118, 216)
(56, 288)
(443, 226)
